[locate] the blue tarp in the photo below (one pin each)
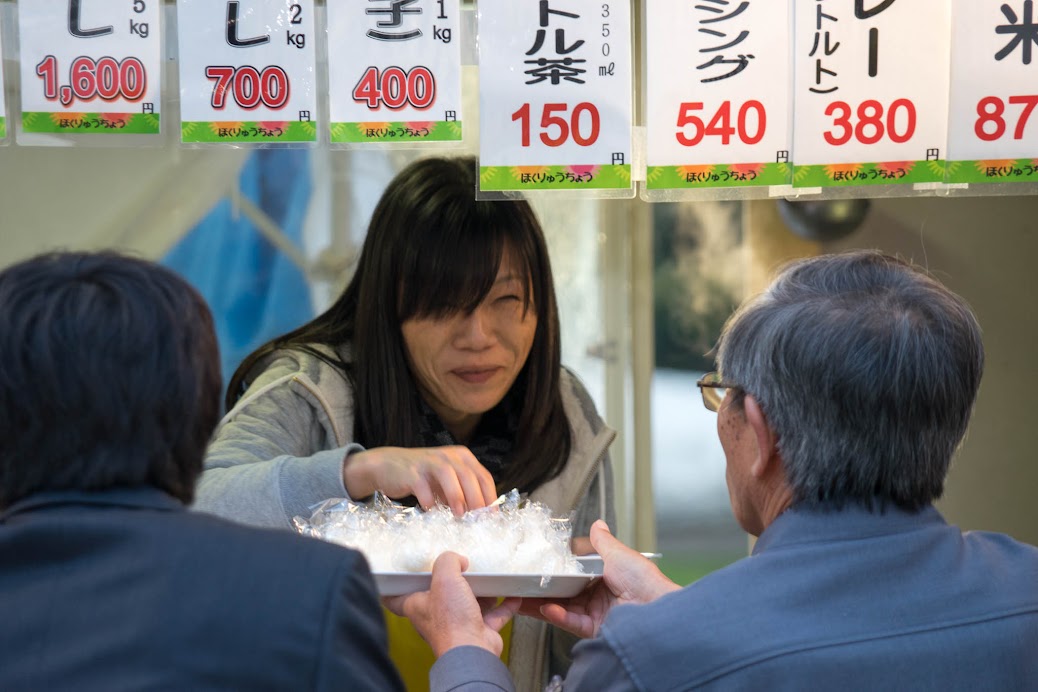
(254, 291)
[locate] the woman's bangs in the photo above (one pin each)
(451, 272)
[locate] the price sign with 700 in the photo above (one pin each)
(249, 87)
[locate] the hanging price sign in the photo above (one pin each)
(247, 71)
(394, 71)
(90, 66)
(871, 100)
(555, 95)
(718, 110)
(993, 125)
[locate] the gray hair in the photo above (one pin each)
(867, 369)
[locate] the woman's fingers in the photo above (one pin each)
(453, 496)
(476, 481)
(450, 475)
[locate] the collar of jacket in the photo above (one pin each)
(798, 525)
(134, 498)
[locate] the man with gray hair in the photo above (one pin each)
(842, 394)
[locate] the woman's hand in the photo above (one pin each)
(448, 615)
(628, 577)
(449, 475)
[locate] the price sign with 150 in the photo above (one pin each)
(583, 124)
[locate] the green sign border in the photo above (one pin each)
(719, 175)
(200, 132)
(1015, 171)
(574, 177)
(396, 131)
(863, 174)
(50, 123)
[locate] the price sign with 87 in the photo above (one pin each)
(247, 71)
(993, 127)
(90, 67)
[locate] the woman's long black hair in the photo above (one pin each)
(433, 250)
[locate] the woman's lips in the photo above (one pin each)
(474, 375)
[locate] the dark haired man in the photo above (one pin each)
(109, 391)
(844, 390)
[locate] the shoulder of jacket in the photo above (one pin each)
(304, 375)
(577, 403)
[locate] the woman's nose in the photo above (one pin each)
(475, 331)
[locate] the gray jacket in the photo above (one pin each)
(280, 451)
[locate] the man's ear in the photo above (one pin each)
(767, 448)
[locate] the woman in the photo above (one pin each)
(435, 374)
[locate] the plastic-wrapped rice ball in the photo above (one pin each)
(505, 538)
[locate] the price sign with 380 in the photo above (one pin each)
(871, 99)
(90, 66)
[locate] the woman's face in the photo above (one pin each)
(466, 363)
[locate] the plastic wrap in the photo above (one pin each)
(510, 536)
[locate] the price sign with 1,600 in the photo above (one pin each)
(90, 67)
(717, 96)
(247, 71)
(871, 101)
(555, 96)
(395, 74)
(993, 123)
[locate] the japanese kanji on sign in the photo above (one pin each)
(993, 127)
(871, 99)
(394, 71)
(555, 95)
(247, 71)
(718, 86)
(90, 68)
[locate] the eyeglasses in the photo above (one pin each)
(714, 390)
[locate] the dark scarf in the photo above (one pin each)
(492, 441)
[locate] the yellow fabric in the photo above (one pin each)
(413, 657)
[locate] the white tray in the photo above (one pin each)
(526, 585)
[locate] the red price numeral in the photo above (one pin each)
(720, 124)
(249, 87)
(107, 78)
(990, 111)
(394, 88)
(871, 126)
(552, 116)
